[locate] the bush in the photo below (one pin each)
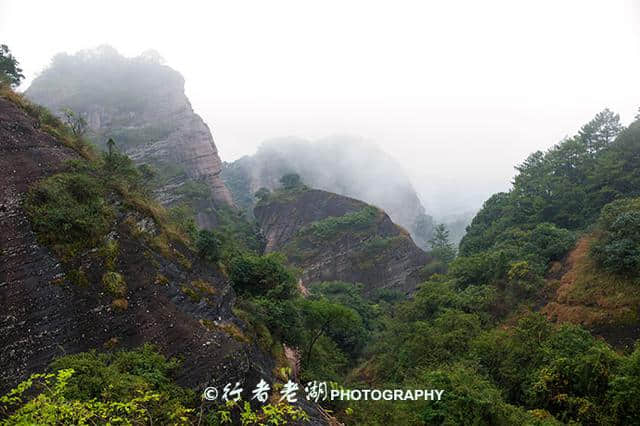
(69, 210)
(282, 318)
(262, 276)
(291, 181)
(624, 392)
(114, 283)
(331, 226)
(617, 248)
(129, 387)
(208, 245)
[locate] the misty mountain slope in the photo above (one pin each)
(568, 228)
(541, 307)
(111, 275)
(141, 104)
(335, 238)
(341, 164)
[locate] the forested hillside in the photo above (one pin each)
(501, 330)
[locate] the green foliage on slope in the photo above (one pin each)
(330, 227)
(617, 248)
(566, 186)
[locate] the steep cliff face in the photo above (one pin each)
(341, 164)
(332, 237)
(141, 105)
(50, 309)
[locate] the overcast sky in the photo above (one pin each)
(458, 91)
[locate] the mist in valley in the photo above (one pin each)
(454, 100)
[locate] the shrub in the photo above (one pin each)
(624, 392)
(262, 275)
(114, 283)
(291, 181)
(208, 245)
(68, 211)
(120, 304)
(128, 387)
(617, 248)
(331, 226)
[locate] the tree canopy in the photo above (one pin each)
(9, 67)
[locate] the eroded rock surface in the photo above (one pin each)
(141, 104)
(371, 249)
(44, 315)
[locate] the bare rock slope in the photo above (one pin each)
(333, 237)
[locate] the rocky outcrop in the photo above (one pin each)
(141, 104)
(45, 314)
(341, 164)
(335, 238)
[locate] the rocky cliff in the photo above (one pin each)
(137, 283)
(141, 104)
(342, 164)
(331, 237)
(50, 309)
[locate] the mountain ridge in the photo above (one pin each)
(141, 104)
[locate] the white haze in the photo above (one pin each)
(458, 91)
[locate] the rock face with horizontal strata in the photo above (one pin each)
(44, 315)
(374, 251)
(141, 104)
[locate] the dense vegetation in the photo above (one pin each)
(473, 330)
(124, 387)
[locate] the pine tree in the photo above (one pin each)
(441, 247)
(601, 131)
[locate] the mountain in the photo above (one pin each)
(90, 262)
(141, 104)
(570, 222)
(331, 237)
(341, 164)
(125, 283)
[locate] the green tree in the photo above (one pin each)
(291, 181)
(208, 245)
(441, 247)
(322, 317)
(601, 131)
(9, 69)
(111, 144)
(262, 193)
(262, 276)
(618, 245)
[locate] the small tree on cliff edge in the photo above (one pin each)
(290, 181)
(9, 70)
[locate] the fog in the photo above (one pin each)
(458, 92)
